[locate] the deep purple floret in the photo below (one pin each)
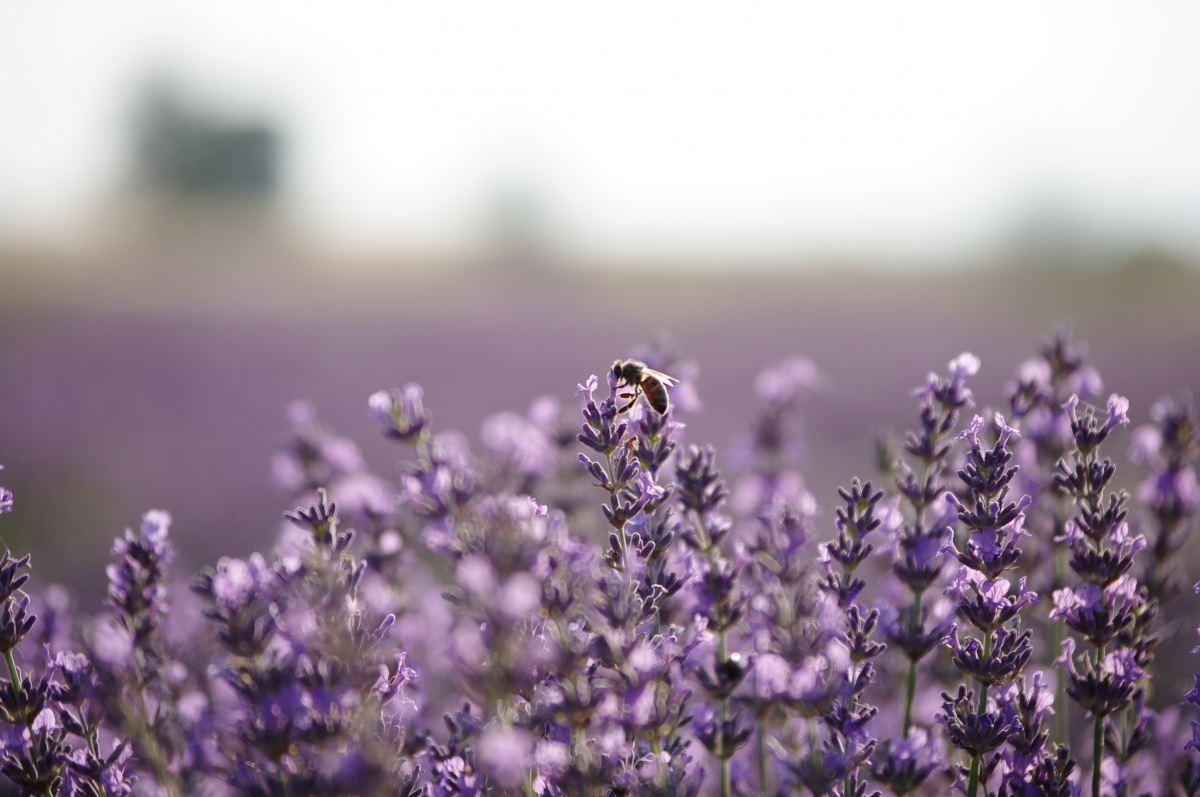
(1193, 696)
(1194, 742)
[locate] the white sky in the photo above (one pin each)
(684, 128)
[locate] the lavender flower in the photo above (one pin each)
(314, 456)
(1109, 607)
(719, 599)
(797, 632)
(311, 672)
(139, 691)
(401, 412)
(1168, 448)
(772, 454)
(6, 498)
(634, 636)
(918, 533)
(1189, 772)
(523, 446)
(904, 763)
(996, 652)
(50, 735)
(1038, 399)
(851, 744)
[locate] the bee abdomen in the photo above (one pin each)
(656, 395)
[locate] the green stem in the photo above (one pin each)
(726, 783)
(982, 706)
(609, 472)
(1097, 735)
(1062, 728)
(910, 689)
(910, 683)
(14, 675)
(973, 785)
(973, 782)
(660, 776)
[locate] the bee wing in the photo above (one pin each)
(669, 381)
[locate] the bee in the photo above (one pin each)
(643, 379)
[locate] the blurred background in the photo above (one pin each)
(209, 209)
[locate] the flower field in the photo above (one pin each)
(586, 597)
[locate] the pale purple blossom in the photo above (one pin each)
(504, 754)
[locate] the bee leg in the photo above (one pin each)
(630, 403)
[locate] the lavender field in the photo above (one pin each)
(171, 390)
(659, 621)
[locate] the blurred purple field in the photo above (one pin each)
(168, 390)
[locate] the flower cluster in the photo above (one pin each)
(996, 651)
(589, 603)
(51, 735)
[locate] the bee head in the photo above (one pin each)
(628, 371)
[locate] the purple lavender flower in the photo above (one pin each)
(314, 456)
(401, 412)
(522, 445)
(850, 743)
(1189, 775)
(1104, 688)
(504, 754)
(1099, 614)
(310, 669)
(1038, 394)
(1110, 607)
(996, 652)
(632, 733)
(799, 658)
(974, 730)
(137, 582)
(720, 599)
(917, 525)
(1028, 764)
(441, 484)
(996, 524)
(87, 769)
(138, 591)
(903, 764)
(772, 454)
(1038, 399)
(49, 737)
(1168, 448)
(6, 498)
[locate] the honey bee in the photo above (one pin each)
(643, 379)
